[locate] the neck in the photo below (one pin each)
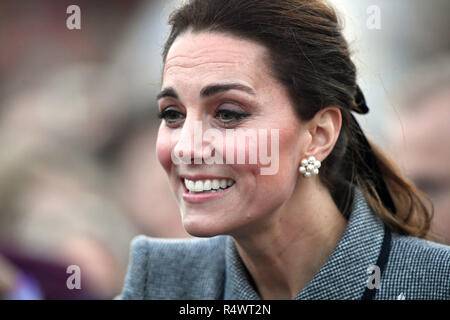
(284, 252)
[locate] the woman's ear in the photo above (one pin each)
(324, 129)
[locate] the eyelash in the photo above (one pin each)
(238, 116)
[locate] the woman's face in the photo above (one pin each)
(197, 61)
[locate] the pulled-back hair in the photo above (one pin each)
(308, 54)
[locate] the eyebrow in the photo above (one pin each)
(211, 90)
(208, 91)
(168, 92)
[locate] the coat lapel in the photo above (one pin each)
(343, 276)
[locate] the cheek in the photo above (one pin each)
(269, 192)
(164, 148)
(289, 151)
(281, 184)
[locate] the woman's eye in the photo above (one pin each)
(171, 116)
(229, 116)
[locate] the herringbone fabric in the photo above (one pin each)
(212, 269)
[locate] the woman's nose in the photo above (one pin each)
(190, 144)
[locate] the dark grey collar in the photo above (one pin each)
(343, 276)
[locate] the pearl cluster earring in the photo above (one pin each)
(309, 167)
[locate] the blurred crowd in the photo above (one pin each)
(78, 171)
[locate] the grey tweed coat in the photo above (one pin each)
(210, 268)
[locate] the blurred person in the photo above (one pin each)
(56, 211)
(72, 95)
(419, 137)
(73, 105)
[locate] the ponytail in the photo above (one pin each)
(395, 200)
(412, 216)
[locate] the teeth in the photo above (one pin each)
(214, 185)
(198, 186)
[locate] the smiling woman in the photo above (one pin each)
(281, 66)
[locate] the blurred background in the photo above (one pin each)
(78, 171)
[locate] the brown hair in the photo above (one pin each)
(308, 54)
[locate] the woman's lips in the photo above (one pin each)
(194, 197)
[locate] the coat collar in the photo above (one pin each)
(343, 276)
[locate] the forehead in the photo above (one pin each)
(206, 56)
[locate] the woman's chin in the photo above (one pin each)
(198, 227)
